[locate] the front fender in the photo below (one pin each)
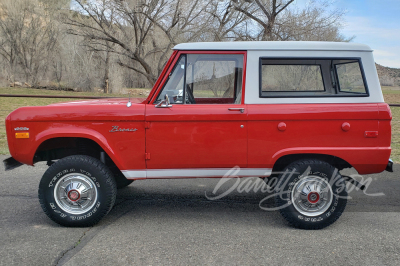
(126, 149)
(74, 133)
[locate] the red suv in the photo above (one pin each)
(296, 111)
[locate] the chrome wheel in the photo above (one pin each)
(75, 193)
(312, 196)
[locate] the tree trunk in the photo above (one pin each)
(107, 71)
(268, 31)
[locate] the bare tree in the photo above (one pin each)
(283, 20)
(139, 29)
(111, 44)
(28, 37)
(227, 23)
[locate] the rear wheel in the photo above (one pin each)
(311, 194)
(77, 191)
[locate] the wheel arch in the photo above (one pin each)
(285, 160)
(54, 147)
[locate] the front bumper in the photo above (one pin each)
(11, 163)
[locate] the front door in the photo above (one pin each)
(205, 126)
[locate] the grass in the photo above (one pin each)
(391, 95)
(135, 92)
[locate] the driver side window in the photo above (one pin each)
(205, 79)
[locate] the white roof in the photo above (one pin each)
(292, 45)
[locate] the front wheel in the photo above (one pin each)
(311, 194)
(77, 191)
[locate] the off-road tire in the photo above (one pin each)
(304, 170)
(77, 166)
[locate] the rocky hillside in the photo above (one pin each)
(388, 76)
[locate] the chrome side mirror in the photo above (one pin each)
(164, 103)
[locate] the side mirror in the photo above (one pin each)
(164, 103)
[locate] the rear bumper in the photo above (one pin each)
(389, 166)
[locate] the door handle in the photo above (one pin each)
(236, 109)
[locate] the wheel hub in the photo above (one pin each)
(75, 193)
(312, 195)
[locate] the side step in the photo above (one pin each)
(11, 163)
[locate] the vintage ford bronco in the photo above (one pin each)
(298, 112)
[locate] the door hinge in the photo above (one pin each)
(146, 125)
(147, 155)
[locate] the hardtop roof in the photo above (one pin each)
(284, 45)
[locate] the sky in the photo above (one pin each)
(375, 23)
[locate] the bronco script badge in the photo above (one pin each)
(117, 129)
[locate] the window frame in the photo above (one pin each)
(338, 81)
(328, 88)
(158, 87)
(320, 70)
(226, 60)
(168, 76)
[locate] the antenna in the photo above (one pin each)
(129, 104)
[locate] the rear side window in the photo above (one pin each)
(289, 78)
(350, 78)
(311, 78)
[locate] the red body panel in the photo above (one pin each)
(209, 135)
(317, 128)
(92, 121)
(196, 136)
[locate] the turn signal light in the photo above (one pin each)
(24, 135)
